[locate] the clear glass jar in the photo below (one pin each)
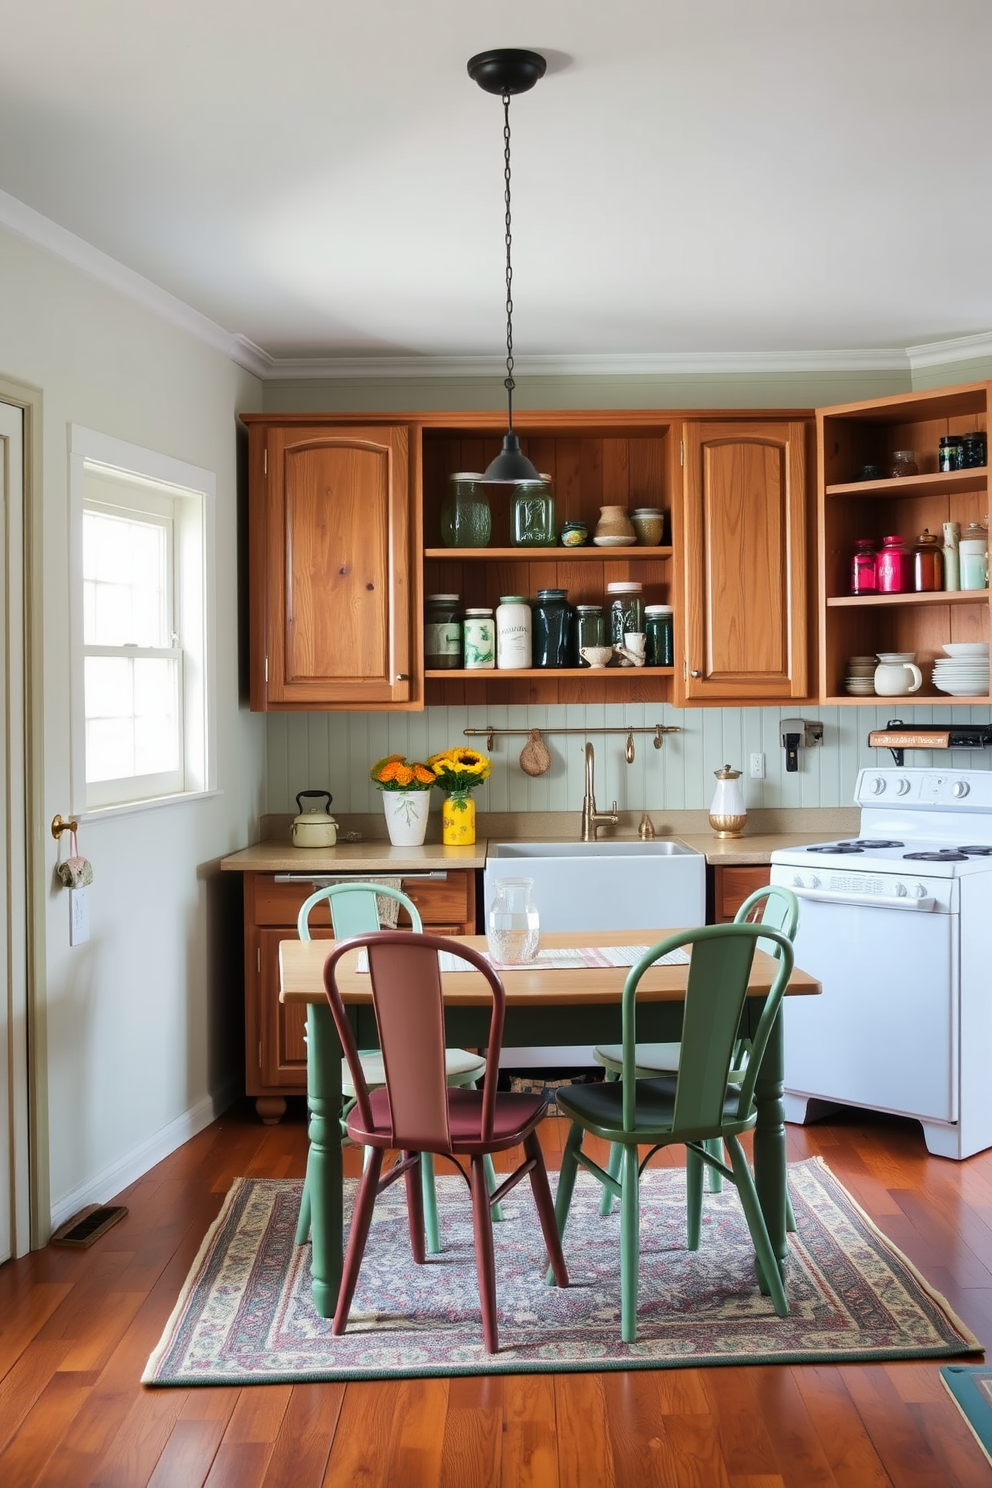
(590, 628)
(928, 563)
(466, 520)
(659, 629)
(479, 639)
(974, 550)
(894, 570)
(864, 566)
(533, 517)
(553, 642)
(442, 632)
(513, 927)
(513, 633)
(904, 463)
(626, 610)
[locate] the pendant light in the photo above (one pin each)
(508, 71)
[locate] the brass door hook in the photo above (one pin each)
(59, 826)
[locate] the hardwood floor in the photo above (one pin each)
(76, 1329)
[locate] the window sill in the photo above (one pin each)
(127, 808)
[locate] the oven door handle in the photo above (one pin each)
(865, 901)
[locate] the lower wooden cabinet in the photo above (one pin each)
(731, 886)
(275, 1049)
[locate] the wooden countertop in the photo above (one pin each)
(382, 857)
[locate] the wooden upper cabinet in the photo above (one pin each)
(332, 579)
(744, 535)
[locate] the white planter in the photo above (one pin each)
(406, 816)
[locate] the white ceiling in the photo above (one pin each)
(692, 176)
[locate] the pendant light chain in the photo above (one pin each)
(508, 383)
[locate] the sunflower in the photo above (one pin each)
(460, 769)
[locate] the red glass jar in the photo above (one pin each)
(894, 569)
(928, 563)
(863, 567)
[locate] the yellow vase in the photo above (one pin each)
(458, 820)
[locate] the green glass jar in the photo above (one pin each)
(466, 520)
(533, 518)
(659, 649)
(590, 629)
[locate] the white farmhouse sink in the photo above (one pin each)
(657, 885)
(609, 885)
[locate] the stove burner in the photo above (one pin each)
(870, 842)
(854, 845)
(836, 847)
(945, 855)
(976, 852)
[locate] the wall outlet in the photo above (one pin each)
(757, 766)
(79, 917)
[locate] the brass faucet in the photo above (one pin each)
(591, 818)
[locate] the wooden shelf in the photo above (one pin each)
(546, 674)
(903, 700)
(933, 597)
(942, 483)
(543, 555)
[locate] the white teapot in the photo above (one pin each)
(897, 673)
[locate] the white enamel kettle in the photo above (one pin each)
(314, 828)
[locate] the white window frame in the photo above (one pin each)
(192, 491)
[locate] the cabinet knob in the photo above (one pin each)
(402, 677)
(695, 673)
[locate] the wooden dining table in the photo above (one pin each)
(544, 1007)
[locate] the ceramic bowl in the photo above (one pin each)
(614, 542)
(597, 656)
(966, 648)
(896, 658)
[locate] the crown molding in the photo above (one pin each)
(24, 222)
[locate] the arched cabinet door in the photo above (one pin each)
(331, 591)
(745, 561)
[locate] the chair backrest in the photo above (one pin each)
(716, 992)
(407, 998)
(773, 906)
(353, 908)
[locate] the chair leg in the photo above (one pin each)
(428, 1195)
(361, 1219)
(303, 1223)
(629, 1243)
(545, 1208)
(714, 1178)
(497, 1209)
(613, 1162)
(566, 1183)
(790, 1217)
(415, 1209)
(693, 1198)
(756, 1225)
(485, 1260)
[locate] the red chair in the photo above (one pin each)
(417, 1111)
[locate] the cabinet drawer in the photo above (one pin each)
(731, 886)
(446, 902)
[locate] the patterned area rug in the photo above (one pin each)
(245, 1314)
(970, 1386)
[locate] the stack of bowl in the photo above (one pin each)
(860, 679)
(963, 671)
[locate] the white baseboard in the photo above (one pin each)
(134, 1164)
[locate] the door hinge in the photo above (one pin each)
(260, 1053)
(258, 959)
(681, 451)
(265, 462)
(266, 669)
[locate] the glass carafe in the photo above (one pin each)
(513, 931)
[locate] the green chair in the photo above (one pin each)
(355, 911)
(773, 906)
(700, 1104)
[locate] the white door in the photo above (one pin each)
(13, 847)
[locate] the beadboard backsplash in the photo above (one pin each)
(334, 751)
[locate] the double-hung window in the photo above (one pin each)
(141, 713)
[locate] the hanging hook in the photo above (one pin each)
(628, 750)
(658, 736)
(59, 826)
(489, 740)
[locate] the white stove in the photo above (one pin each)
(894, 922)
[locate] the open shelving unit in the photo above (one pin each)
(849, 437)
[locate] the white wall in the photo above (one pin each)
(143, 1021)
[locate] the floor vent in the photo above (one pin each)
(88, 1225)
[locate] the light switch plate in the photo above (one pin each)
(79, 917)
(757, 766)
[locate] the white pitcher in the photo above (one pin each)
(895, 677)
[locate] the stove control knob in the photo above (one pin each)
(815, 882)
(902, 787)
(877, 786)
(901, 891)
(920, 890)
(797, 881)
(960, 788)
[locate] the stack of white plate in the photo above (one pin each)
(964, 670)
(860, 679)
